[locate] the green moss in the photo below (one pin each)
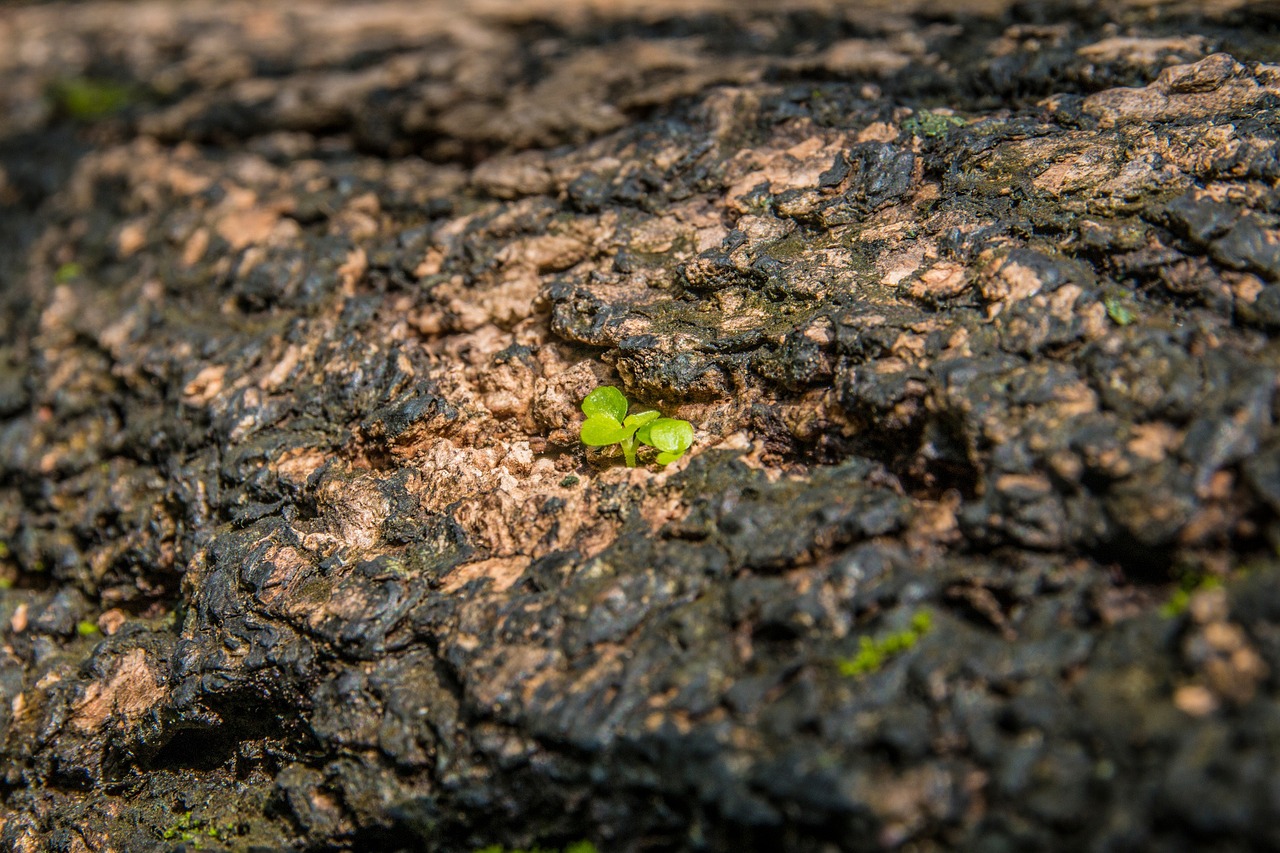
(192, 830)
(180, 829)
(792, 246)
(1189, 585)
(1119, 310)
(931, 124)
(874, 653)
(86, 628)
(4, 550)
(315, 590)
(67, 272)
(569, 482)
(86, 99)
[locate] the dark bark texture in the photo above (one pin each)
(973, 306)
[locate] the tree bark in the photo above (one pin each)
(973, 308)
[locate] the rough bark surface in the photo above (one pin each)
(973, 306)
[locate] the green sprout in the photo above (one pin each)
(86, 628)
(872, 654)
(608, 423)
(190, 829)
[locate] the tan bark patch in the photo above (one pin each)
(1012, 282)
(1142, 52)
(1195, 700)
(280, 371)
(111, 621)
(943, 280)
(1079, 170)
(864, 57)
(503, 572)
(131, 690)
(133, 237)
(1211, 86)
(1154, 441)
(206, 386)
(353, 270)
(298, 464)
(243, 228)
(195, 247)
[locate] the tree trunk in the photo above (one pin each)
(973, 309)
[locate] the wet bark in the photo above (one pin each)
(973, 307)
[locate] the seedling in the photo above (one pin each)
(608, 423)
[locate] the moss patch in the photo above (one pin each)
(873, 653)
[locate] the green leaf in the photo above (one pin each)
(639, 419)
(608, 423)
(605, 400)
(667, 434)
(601, 430)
